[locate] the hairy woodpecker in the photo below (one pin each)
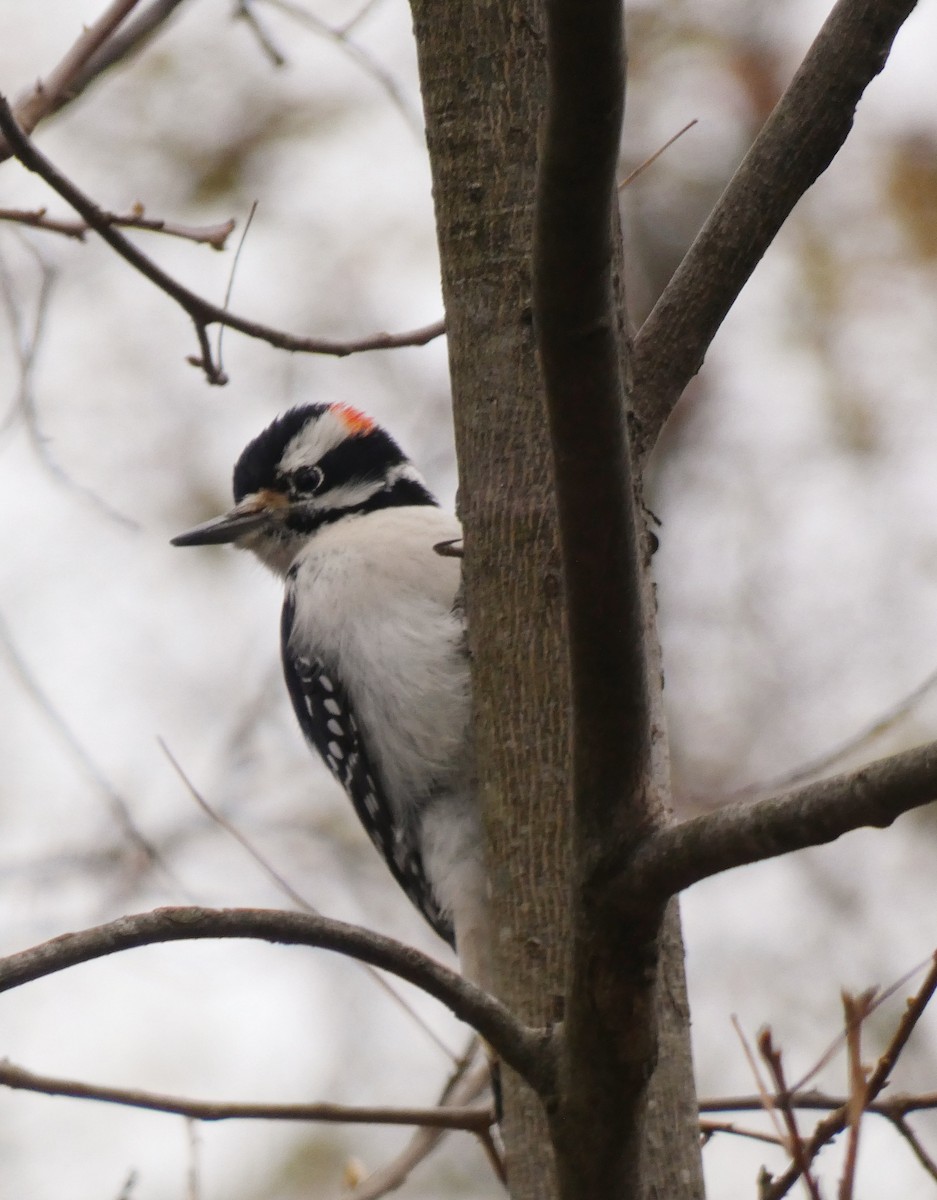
(372, 646)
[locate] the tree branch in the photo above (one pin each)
(609, 1032)
(472, 1119)
(835, 1122)
(202, 313)
(38, 218)
(132, 35)
(796, 145)
(526, 1050)
(673, 859)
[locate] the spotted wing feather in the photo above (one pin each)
(328, 723)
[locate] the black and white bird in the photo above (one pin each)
(373, 646)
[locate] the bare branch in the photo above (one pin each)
(836, 1121)
(794, 1143)
(245, 12)
(341, 36)
(474, 1120)
(201, 312)
(46, 95)
(526, 1050)
(796, 145)
(133, 34)
(675, 858)
(38, 218)
(917, 1149)
(856, 1009)
(709, 1128)
(651, 159)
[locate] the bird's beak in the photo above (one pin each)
(250, 514)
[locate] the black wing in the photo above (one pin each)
(328, 723)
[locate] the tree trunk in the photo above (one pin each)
(483, 80)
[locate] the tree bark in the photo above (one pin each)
(483, 77)
(481, 67)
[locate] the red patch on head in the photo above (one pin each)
(355, 422)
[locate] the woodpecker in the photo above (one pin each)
(373, 646)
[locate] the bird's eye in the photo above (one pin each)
(307, 479)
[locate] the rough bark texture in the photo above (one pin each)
(483, 78)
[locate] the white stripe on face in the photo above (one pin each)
(315, 439)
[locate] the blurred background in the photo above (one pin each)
(797, 575)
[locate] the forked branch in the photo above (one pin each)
(202, 313)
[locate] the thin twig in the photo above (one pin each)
(357, 18)
(902, 1126)
(28, 344)
(38, 218)
(765, 1099)
(642, 167)
(193, 1174)
(230, 288)
(795, 1144)
(245, 12)
(881, 996)
(341, 37)
(130, 1183)
(856, 1010)
(835, 1122)
(708, 1128)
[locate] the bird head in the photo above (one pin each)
(315, 465)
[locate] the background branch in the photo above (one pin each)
(798, 142)
(673, 859)
(837, 1121)
(133, 34)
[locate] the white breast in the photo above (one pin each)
(374, 601)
